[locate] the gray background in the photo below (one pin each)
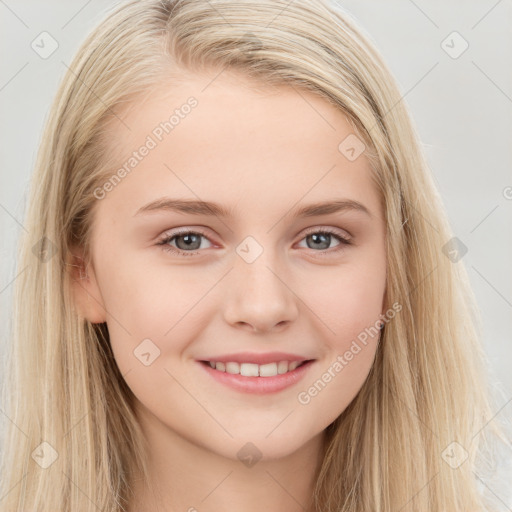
(462, 108)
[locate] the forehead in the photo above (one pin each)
(230, 108)
(240, 140)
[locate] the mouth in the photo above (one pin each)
(256, 370)
(251, 378)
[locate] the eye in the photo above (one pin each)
(185, 239)
(188, 242)
(322, 238)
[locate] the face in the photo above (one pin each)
(252, 280)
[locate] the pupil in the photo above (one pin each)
(188, 239)
(317, 239)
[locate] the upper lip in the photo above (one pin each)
(251, 357)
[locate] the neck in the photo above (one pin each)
(192, 478)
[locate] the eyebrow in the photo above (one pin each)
(194, 207)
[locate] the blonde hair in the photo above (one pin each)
(428, 386)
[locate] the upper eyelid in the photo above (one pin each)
(334, 229)
(201, 231)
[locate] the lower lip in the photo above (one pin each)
(258, 385)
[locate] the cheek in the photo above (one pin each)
(147, 295)
(336, 383)
(347, 299)
(349, 306)
(153, 302)
(348, 358)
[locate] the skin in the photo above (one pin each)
(261, 153)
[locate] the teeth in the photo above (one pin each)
(268, 370)
(232, 368)
(282, 367)
(249, 370)
(255, 370)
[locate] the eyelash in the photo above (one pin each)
(325, 252)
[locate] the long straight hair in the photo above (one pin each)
(72, 437)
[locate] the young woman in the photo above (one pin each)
(237, 293)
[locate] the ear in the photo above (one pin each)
(85, 290)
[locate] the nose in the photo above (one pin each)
(259, 296)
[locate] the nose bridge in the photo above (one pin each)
(261, 274)
(260, 295)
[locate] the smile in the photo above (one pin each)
(257, 379)
(256, 370)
